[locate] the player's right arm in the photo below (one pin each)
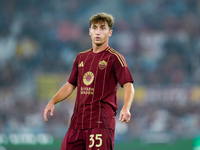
(62, 94)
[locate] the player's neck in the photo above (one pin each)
(99, 48)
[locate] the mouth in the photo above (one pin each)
(97, 38)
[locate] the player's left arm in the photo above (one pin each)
(129, 92)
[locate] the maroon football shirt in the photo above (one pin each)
(96, 76)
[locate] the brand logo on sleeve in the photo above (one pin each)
(88, 78)
(102, 64)
(81, 64)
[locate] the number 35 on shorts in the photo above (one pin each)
(95, 140)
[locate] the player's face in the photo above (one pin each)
(100, 33)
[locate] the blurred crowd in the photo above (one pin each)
(160, 40)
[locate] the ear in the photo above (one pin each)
(89, 31)
(110, 33)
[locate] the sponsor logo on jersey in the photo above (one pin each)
(102, 64)
(88, 78)
(87, 90)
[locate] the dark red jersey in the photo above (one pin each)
(96, 76)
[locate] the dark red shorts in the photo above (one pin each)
(88, 139)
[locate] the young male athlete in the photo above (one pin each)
(96, 74)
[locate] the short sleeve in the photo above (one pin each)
(74, 73)
(121, 70)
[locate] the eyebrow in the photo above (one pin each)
(103, 25)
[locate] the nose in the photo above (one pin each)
(97, 31)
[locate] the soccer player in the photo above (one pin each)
(96, 73)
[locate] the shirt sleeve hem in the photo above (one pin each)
(131, 81)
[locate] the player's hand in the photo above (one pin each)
(125, 115)
(49, 108)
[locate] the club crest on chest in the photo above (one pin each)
(102, 64)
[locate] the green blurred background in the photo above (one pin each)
(160, 40)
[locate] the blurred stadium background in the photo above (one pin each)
(160, 40)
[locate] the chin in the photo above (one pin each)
(98, 43)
